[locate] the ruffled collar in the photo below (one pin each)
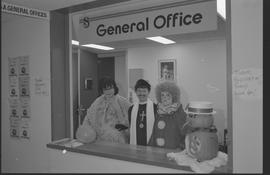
(167, 109)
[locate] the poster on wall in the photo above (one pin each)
(14, 108)
(24, 128)
(24, 66)
(25, 108)
(14, 127)
(24, 86)
(13, 87)
(13, 66)
(19, 97)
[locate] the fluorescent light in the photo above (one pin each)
(98, 46)
(221, 8)
(161, 40)
(74, 42)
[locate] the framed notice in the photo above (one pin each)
(167, 69)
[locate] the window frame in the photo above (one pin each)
(65, 16)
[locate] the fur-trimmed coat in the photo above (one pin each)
(104, 114)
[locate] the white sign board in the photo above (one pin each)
(25, 11)
(248, 83)
(189, 18)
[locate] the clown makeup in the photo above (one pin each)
(166, 98)
(108, 92)
(142, 94)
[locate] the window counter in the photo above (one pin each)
(146, 155)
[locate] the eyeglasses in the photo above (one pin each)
(192, 115)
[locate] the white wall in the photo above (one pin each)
(201, 72)
(247, 113)
(20, 37)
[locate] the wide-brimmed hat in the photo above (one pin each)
(200, 107)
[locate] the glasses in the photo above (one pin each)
(192, 115)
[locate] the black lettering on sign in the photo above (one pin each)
(141, 26)
(159, 22)
(85, 21)
(171, 20)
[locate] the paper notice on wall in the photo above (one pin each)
(13, 87)
(19, 93)
(25, 108)
(24, 86)
(24, 66)
(13, 66)
(248, 83)
(41, 86)
(14, 108)
(14, 127)
(25, 128)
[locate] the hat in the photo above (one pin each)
(141, 83)
(200, 107)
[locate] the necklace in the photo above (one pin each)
(142, 115)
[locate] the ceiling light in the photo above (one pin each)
(221, 8)
(74, 42)
(98, 46)
(161, 40)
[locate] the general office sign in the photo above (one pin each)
(24, 11)
(174, 20)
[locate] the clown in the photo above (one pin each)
(202, 141)
(170, 118)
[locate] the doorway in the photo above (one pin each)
(87, 70)
(106, 67)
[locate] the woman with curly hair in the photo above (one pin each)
(170, 118)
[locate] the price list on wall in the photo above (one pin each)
(19, 97)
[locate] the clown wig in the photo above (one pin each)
(170, 87)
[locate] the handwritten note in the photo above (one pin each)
(247, 83)
(41, 86)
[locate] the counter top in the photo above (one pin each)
(133, 153)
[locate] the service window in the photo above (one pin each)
(125, 46)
